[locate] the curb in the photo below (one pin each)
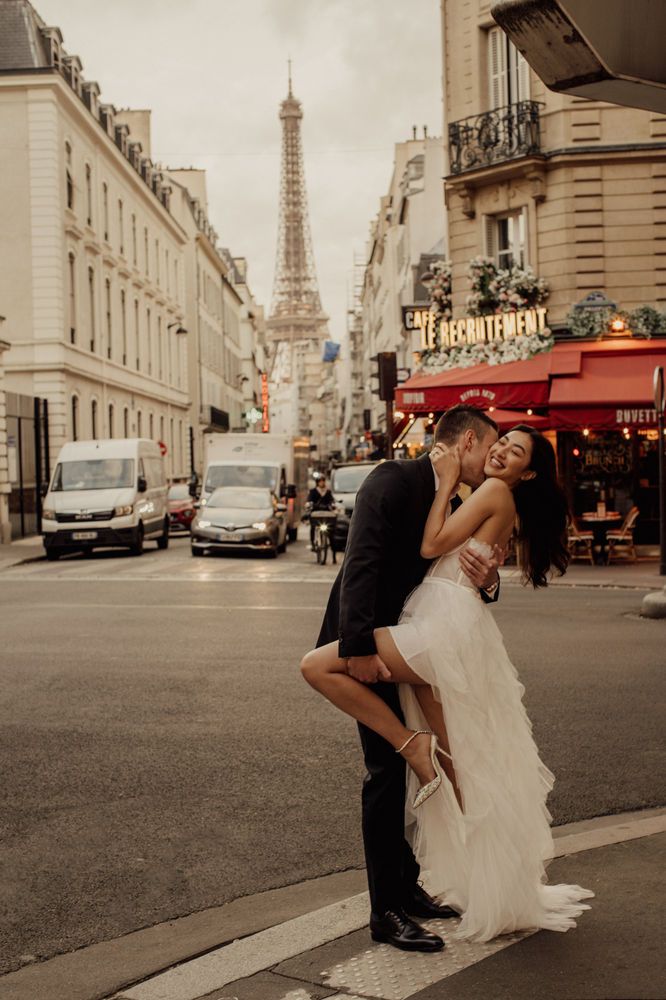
(109, 967)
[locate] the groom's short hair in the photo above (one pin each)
(459, 419)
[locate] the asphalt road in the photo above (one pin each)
(161, 754)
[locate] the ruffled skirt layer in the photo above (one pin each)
(487, 860)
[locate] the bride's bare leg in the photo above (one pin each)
(434, 715)
(325, 671)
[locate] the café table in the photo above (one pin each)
(600, 524)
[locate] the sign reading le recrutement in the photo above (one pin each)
(444, 334)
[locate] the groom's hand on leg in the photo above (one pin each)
(368, 669)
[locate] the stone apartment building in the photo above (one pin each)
(409, 229)
(91, 282)
(574, 188)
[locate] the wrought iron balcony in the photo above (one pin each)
(495, 136)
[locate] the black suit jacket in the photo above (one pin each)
(382, 563)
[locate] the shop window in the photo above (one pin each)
(508, 71)
(506, 239)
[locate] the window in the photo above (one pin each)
(150, 345)
(160, 349)
(72, 297)
(123, 322)
(93, 418)
(68, 173)
(75, 418)
(110, 420)
(145, 250)
(157, 261)
(107, 289)
(88, 194)
(138, 423)
(126, 422)
(91, 306)
(121, 227)
(508, 72)
(134, 250)
(506, 239)
(162, 429)
(150, 426)
(136, 334)
(105, 209)
(166, 270)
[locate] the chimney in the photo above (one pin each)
(413, 131)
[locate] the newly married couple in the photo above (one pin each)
(410, 649)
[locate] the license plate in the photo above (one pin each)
(83, 536)
(230, 536)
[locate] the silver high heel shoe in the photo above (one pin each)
(425, 791)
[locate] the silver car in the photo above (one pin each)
(237, 517)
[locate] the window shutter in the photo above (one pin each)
(523, 77)
(497, 68)
(490, 226)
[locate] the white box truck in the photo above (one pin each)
(278, 461)
(106, 493)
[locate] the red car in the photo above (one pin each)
(181, 507)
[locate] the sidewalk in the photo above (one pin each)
(310, 941)
(641, 575)
(21, 550)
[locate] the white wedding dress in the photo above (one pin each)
(486, 861)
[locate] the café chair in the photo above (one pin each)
(621, 543)
(580, 543)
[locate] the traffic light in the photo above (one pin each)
(387, 374)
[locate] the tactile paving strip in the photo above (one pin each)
(384, 972)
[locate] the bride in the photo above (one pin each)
(476, 785)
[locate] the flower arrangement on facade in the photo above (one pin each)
(437, 280)
(645, 321)
(502, 289)
(496, 352)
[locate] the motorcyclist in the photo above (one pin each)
(319, 498)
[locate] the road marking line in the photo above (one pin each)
(186, 607)
(247, 956)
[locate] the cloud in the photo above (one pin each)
(214, 72)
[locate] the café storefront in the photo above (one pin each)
(592, 398)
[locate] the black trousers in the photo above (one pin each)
(391, 865)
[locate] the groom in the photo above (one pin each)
(382, 566)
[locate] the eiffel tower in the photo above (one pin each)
(297, 325)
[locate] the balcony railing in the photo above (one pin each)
(494, 136)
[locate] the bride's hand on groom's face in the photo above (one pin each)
(446, 462)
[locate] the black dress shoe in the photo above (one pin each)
(395, 927)
(420, 904)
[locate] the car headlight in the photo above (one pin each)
(122, 511)
(202, 524)
(259, 525)
(48, 514)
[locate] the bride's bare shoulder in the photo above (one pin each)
(495, 491)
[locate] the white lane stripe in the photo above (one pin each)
(250, 955)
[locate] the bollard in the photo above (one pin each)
(654, 605)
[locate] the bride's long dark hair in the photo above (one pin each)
(543, 513)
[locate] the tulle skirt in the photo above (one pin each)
(488, 859)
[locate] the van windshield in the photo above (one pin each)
(241, 475)
(94, 474)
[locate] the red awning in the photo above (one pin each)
(602, 418)
(509, 418)
(515, 384)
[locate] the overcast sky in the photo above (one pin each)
(213, 72)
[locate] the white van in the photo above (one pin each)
(106, 493)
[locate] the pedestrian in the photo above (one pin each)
(434, 683)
